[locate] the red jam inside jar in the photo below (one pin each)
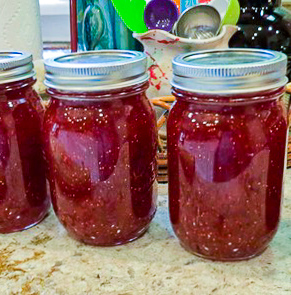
(226, 164)
(101, 154)
(23, 196)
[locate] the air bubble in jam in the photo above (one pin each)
(225, 177)
(102, 175)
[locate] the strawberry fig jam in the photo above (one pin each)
(23, 196)
(100, 138)
(226, 148)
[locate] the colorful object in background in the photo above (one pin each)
(177, 2)
(161, 14)
(94, 25)
(185, 4)
(232, 13)
(100, 27)
(132, 14)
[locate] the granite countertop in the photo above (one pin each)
(44, 260)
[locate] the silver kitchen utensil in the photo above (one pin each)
(198, 22)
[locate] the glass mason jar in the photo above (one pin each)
(23, 197)
(100, 138)
(227, 137)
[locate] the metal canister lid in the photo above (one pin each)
(228, 71)
(15, 66)
(96, 70)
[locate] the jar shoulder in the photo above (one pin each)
(75, 112)
(207, 121)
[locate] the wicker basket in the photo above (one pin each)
(162, 107)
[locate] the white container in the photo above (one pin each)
(20, 26)
(162, 47)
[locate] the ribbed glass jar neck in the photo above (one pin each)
(259, 3)
(229, 99)
(15, 86)
(99, 95)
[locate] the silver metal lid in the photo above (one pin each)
(96, 70)
(15, 66)
(227, 71)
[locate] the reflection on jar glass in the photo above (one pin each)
(100, 137)
(226, 146)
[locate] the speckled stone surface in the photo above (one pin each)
(44, 260)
